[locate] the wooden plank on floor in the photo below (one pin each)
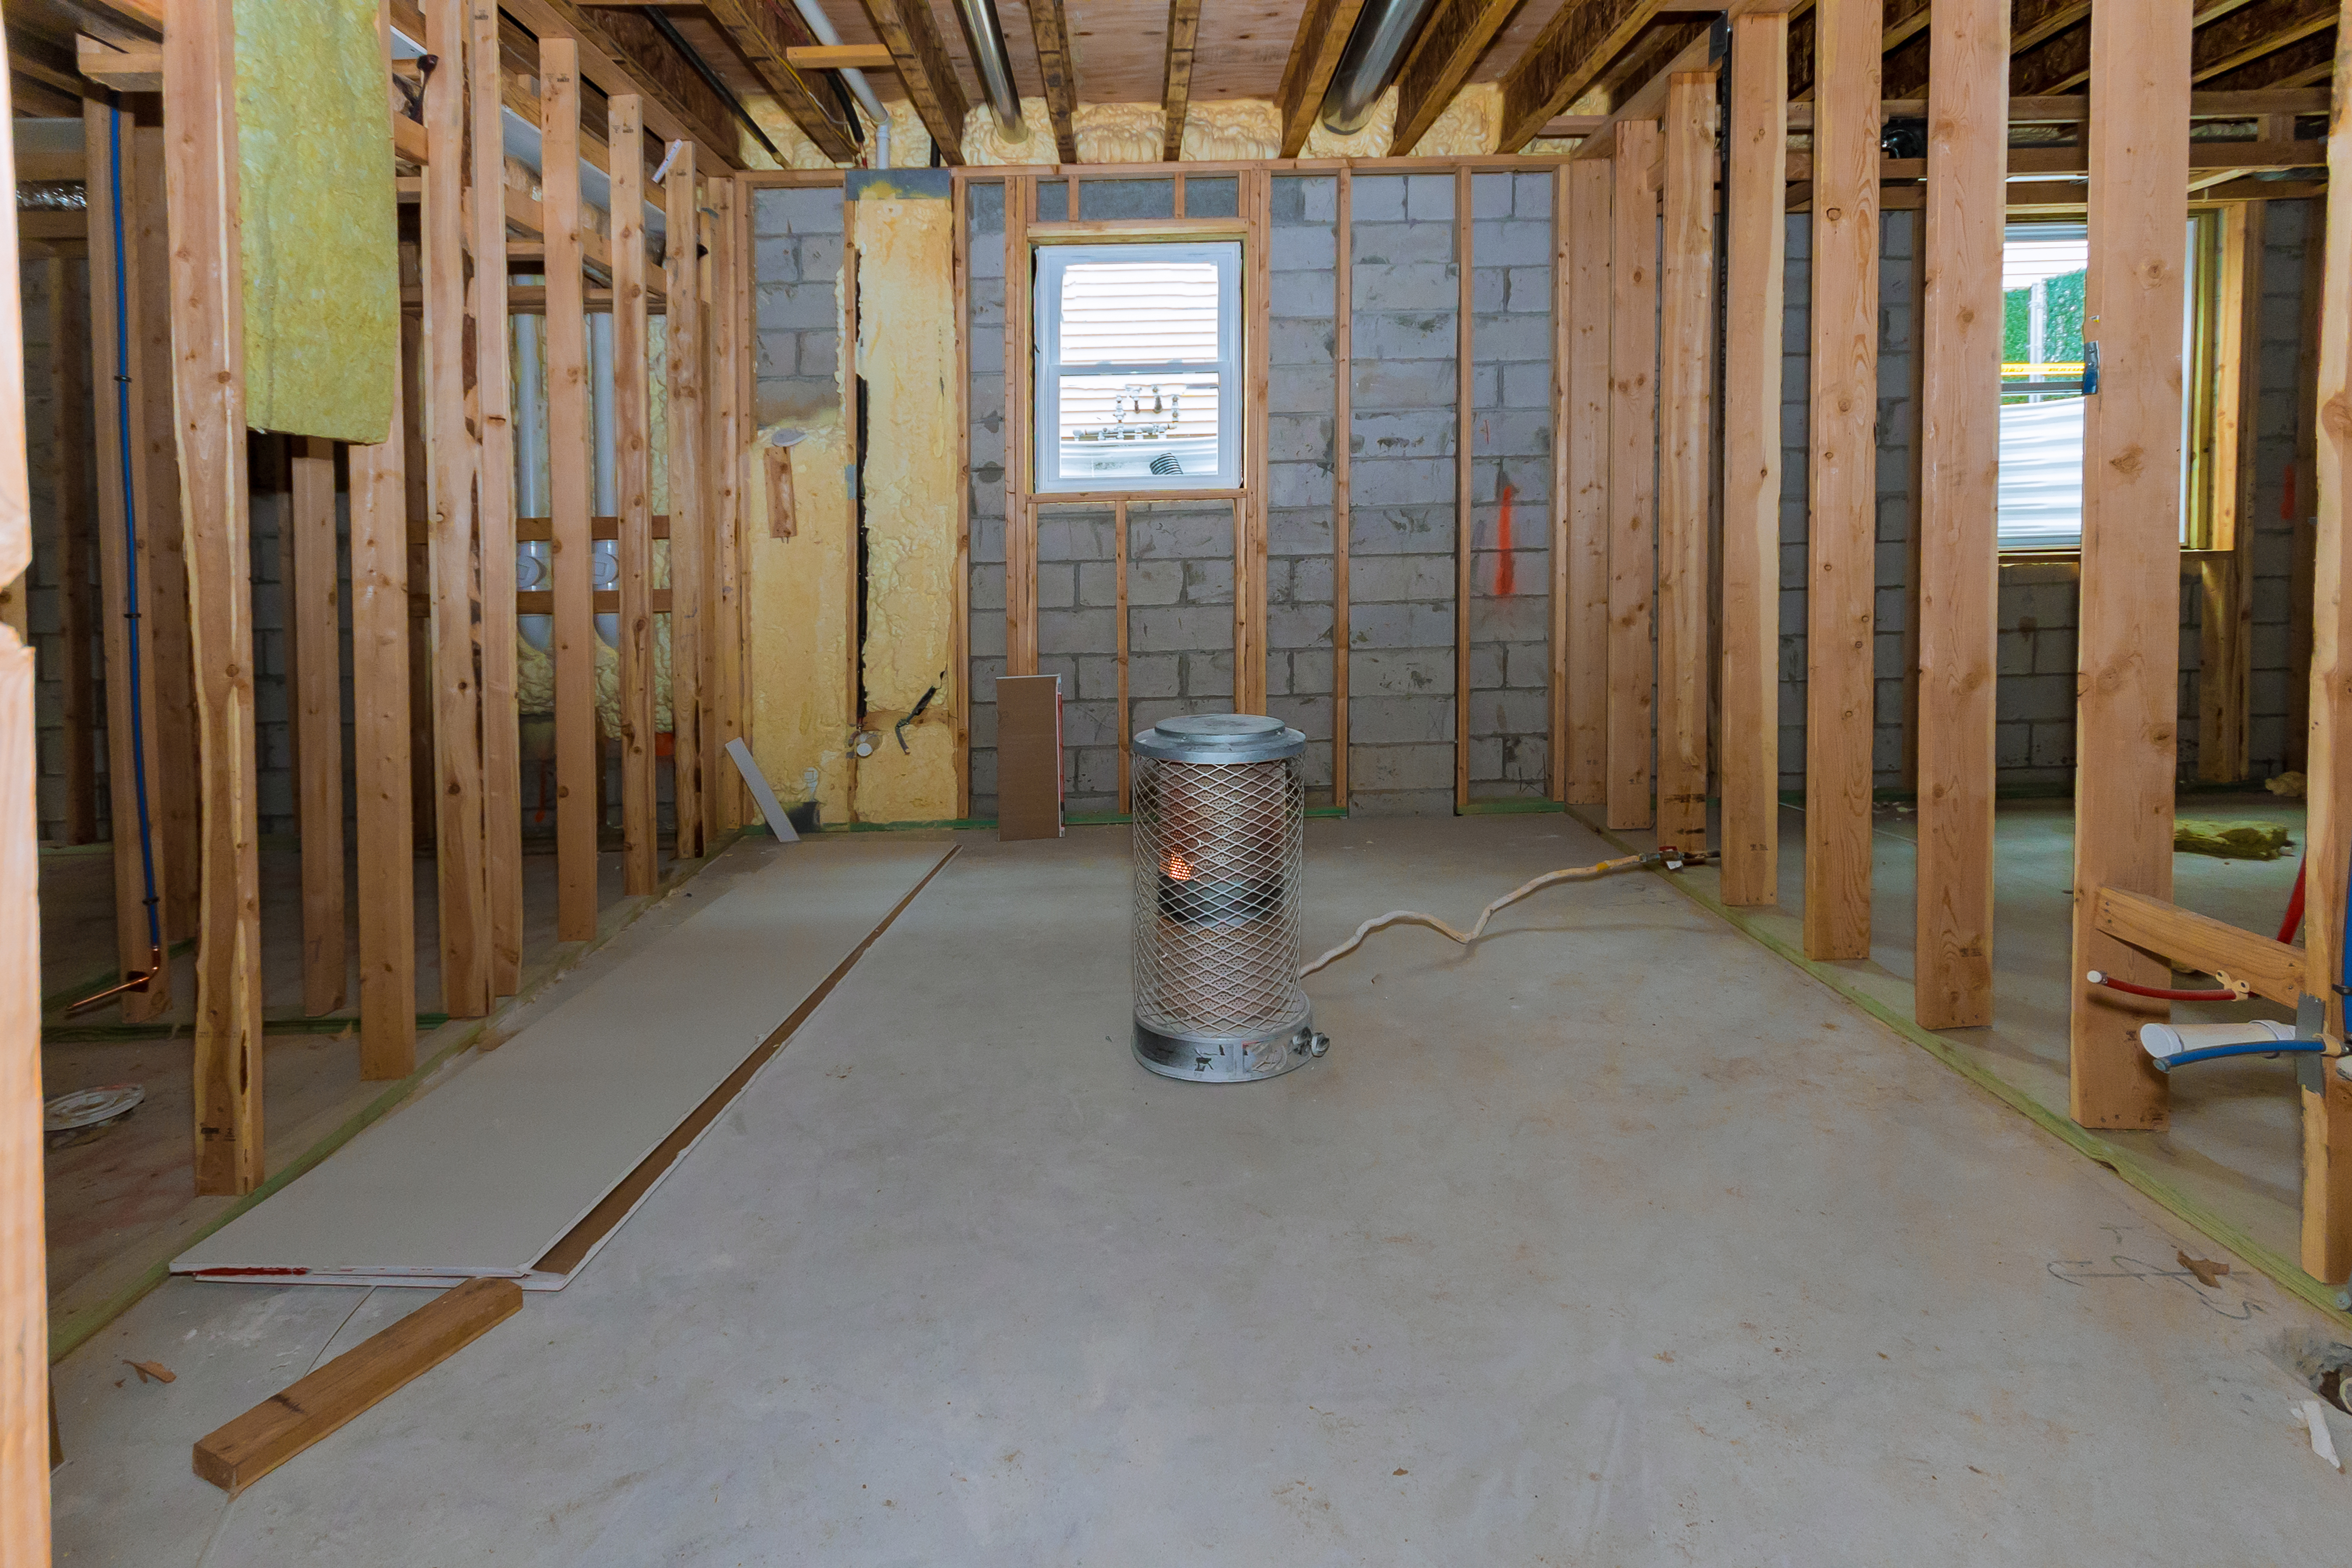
(1632, 468)
(2128, 699)
(1841, 699)
(235, 1456)
(208, 330)
(633, 483)
(689, 518)
(495, 514)
(576, 760)
(1686, 456)
(24, 1408)
(1581, 192)
(2327, 1241)
(111, 328)
(460, 849)
(1754, 281)
(315, 598)
(1959, 567)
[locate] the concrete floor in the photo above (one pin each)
(1617, 1240)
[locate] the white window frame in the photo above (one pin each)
(1052, 262)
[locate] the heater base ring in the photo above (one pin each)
(1197, 1058)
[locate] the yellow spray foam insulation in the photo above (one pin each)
(800, 153)
(535, 681)
(798, 679)
(315, 204)
(1228, 130)
(907, 354)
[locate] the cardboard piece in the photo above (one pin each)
(1028, 756)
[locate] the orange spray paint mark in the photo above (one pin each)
(1506, 575)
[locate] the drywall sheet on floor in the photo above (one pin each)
(315, 208)
(483, 1175)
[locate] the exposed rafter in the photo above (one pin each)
(1051, 28)
(1323, 30)
(2308, 62)
(1443, 58)
(1660, 50)
(1563, 61)
(906, 28)
(2245, 35)
(1176, 95)
(763, 32)
(2033, 22)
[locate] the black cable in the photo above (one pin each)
(668, 29)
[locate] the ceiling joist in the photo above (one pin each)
(764, 34)
(1565, 59)
(1051, 29)
(1442, 59)
(620, 53)
(1176, 96)
(1323, 30)
(906, 29)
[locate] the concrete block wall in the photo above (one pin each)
(796, 242)
(983, 330)
(1078, 639)
(1300, 460)
(1511, 473)
(1179, 610)
(1404, 290)
(2037, 610)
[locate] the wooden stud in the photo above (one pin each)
(1466, 359)
(424, 826)
(1019, 520)
(1250, 511)
(1343, 389)
(690, 520)
(1581, 304)
(2301, 504)
(79, 612)
(722, 669)
(1685, 451)
(1050, 29)
(1444, 52)
(25, 1409)
(1960, 570)
(235, 1455)
(1118, 579)
(1754, 278)
(316, 597)
(574, 642)
(632, 474)
(133, 776)
(1843, 544)
(162, 544)
(208, 335)
(1563, 346)
(458, 842)
(2226, 584)
(2327, 1241)
(494, 507)
(852, 586)
(1633, 463)
(2128, 698)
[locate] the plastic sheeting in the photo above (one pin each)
(2041, 474)
(315, 198)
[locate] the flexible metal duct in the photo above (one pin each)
(985, 31)
(1374, 51)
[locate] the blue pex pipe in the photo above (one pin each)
(2253, 1048)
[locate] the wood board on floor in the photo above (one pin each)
(485, 1175)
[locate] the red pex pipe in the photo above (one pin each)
(2126, 987)
(2294, 920)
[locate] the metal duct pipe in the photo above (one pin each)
(1374, 51)
(985, 31)
(860, 88)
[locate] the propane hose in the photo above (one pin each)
(1414, 917)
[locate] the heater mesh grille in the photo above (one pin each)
(1219, 850)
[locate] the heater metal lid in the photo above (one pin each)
(1219, 737)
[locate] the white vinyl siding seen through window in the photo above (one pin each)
(1138, 360)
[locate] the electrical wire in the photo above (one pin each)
(131, 528)
(1414, 917)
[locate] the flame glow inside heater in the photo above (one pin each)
(1220, 848)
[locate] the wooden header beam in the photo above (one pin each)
(1442, 56)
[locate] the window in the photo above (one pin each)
(1139, 367)
(2044, 269)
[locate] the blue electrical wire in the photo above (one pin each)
(129, 525)
(2250, 1049)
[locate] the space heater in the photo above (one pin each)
(1219, 842)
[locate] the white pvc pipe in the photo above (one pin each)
(2171, 1039)
(859, 87)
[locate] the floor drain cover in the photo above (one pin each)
(88, 1107)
